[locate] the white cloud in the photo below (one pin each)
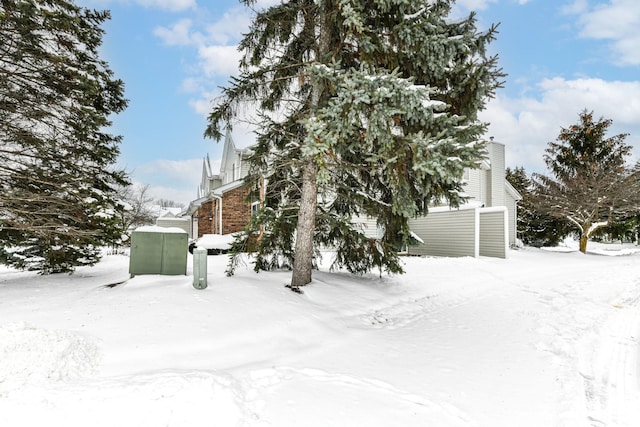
(180, 171)
(618, 21)
(266, 3)
(174, 194)
(230, 28)
(527, 124)
(172, 5)
(155, 192)
(218, 60)
(204, 103)
(575, 8)
(215, 43)
(179, 34)
(168, 5)
(176, 180)
(191, 85)
(475, 4)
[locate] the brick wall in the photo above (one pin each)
(205, 211)
(236, 211)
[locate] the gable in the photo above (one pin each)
(234, 164)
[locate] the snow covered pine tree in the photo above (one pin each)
(58, 201)
(368, 108)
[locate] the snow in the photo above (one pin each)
(415, 15)
(544, 338)
(416, 237)
(216, 241)
(158, 229)
(595, 226)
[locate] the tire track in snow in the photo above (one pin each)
(260, 382)
(403, 312)
(594, 349)
(611, 377)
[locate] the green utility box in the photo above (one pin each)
(158, 250)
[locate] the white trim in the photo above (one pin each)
(470, 204)
(219, 205)
(476, 230)
(494, 209)
(227, 187)
(512, 191)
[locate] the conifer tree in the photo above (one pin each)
(591, 184)
(58, 201)
(535, 228)
(369, 108)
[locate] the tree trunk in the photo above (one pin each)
(303, 261)
(305, 230)
(583, 243)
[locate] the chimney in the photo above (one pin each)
(497, 173)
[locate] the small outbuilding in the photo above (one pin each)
(158, 250)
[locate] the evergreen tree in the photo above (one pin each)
(368, 109)
(58, 201)
(625, 230)
(535, 228)
(591, 184)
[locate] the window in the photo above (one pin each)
(255, 207)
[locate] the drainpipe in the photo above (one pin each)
(219, 199)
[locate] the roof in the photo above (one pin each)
(512, 191)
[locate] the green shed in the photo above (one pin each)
(158, 250)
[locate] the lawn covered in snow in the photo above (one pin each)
(543, 338)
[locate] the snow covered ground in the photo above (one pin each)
(544, 338)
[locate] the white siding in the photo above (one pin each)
(476, 186)
(448, 233)
(183, 223)
(511, 197)
(493, 232)
(472, 186)
(244, 168)
(497, 175)
(512, 214)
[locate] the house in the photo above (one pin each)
(484, 226)
(171, 218)
(222, 206)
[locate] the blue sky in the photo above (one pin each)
(561, 56)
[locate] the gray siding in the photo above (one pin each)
(447, 233)
(493, 239)
(369, 226)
